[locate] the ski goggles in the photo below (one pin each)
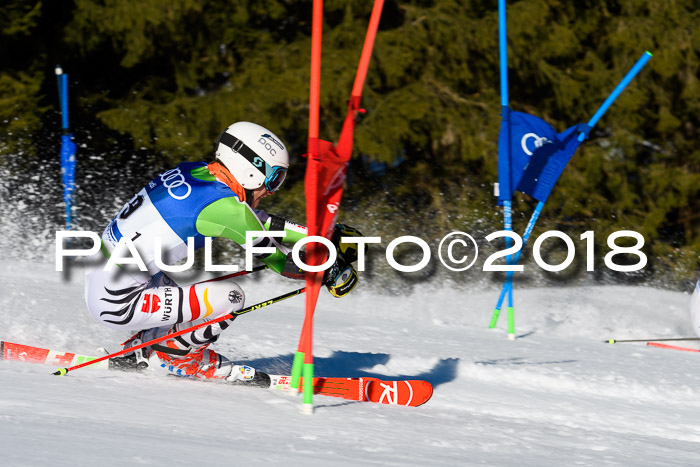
(274, 176)
(274, 180)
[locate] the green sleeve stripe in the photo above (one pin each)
(226, 218)
(202, 173)
(229, 218)
(104, 250)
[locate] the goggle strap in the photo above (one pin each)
(240, 147)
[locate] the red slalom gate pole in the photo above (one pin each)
(326, 163)
(367, 48)
(64, 371)
(345, 142)
(303, 360)
(315, 82)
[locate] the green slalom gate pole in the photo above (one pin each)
(494, 318)
(308, 374)
(308, 387)
(511, 323)
(296, 368)
(511, 309)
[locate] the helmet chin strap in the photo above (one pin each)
(249, 194)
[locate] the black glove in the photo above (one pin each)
(291, 270)
(346, 251)
(340, 279)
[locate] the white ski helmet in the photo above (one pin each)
(254, 155)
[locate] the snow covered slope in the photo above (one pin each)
(555, 396)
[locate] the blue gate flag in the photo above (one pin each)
(532, 157)
(538, 155)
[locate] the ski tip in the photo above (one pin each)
(427, 392)
(61, 372)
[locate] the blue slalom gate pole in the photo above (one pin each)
(505, 116)
(508, 284)
(68, 147)
(506, 200)
(503, 51)
(64, 102)
(507, 205)
(646, 56)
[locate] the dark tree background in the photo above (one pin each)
(164, 77)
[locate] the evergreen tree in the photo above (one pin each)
(169, 76)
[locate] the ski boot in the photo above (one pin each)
(132, 361)
(244, 375)
(203, 363)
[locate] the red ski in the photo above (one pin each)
(403, 392)
(31, 354)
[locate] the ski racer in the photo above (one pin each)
(193, 201)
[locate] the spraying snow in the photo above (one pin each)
(555, 396)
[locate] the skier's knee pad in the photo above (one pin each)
(214, 299)
(230, 295)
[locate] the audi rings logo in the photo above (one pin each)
(538, 141)
(173, 180)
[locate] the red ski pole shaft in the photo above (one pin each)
(63, 371)
(671, 347)
(615, 341)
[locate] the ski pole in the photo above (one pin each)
(671, 347)
(232, 275)
(64, 371)
(615, 341)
